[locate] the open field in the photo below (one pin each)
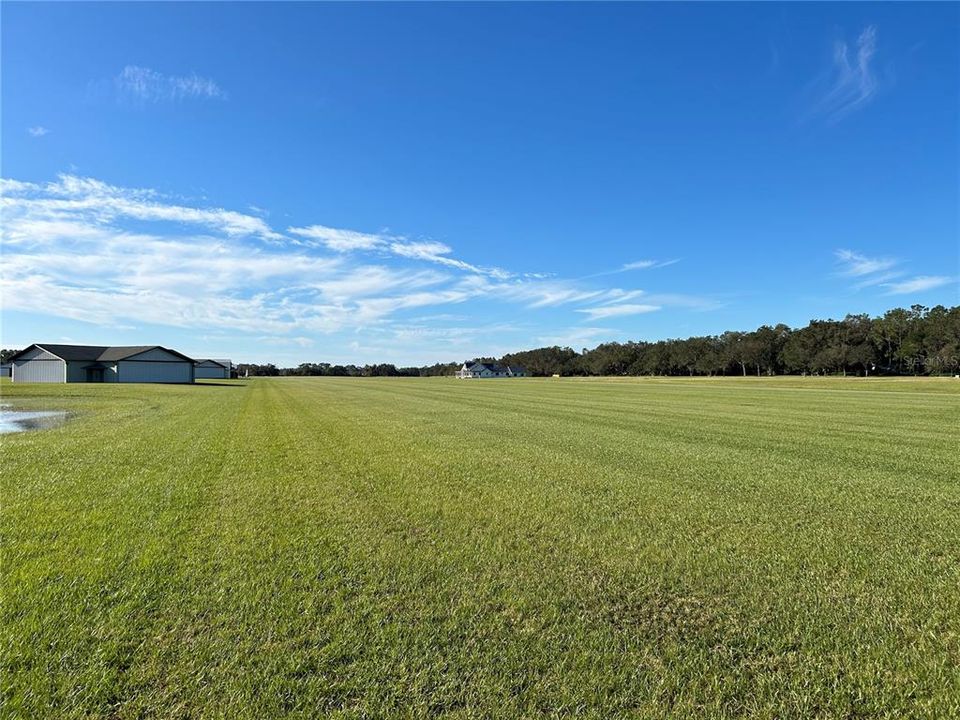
(783, 548)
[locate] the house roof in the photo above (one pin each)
(222, 363)
(488, 366)
(120, 353)
(494, 367)
(103, 353)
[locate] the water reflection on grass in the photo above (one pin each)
(12, 421)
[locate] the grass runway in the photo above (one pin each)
(649, 548)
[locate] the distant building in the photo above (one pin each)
(228, 364)
(53, 363)
(216, 369)
(5, 370)
(489, 370)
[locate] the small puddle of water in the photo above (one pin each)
(12, 421)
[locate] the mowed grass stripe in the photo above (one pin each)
(115, 526)
(812, 424)
(427, 547)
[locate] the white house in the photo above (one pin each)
(218, 369)
(52, 363)
(489, 370)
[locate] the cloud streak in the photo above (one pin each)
(37, 131)
(880, 272)
(342, 241)
(149, 86)
(635, 265)
(100, 203)
(851, 82)
(646, 265)
(918, 284)
(608, 311)
(349, 241)
(854, 264)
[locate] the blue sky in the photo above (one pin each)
(429, 182)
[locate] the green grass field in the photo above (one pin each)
(777, 548)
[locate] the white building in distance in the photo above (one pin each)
(489, 370)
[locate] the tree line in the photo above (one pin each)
(324, 369)
(902, 341)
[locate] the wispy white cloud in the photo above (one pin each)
(617, 296)
(691, 302)
(145, 85)
(347, 241)
(98, 202)
(372, 280)
(82, 249)
(69, 252)
(880, 272)
(635, 265)
(639, 265)
(851, 82)
(428, 250)
(855, 265)
(920, 283)
(339, 240)
(607, 311)
(37, 131)
(541, 294)
(647, 264)
(438, 252)
(877, 279)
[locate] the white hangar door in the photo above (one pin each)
(38, 365)
(155, 366)
(212, 371)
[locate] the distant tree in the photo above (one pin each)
(7, 353)
(685, 354)
(798, 351)
(765, 345)
(889, 333)
(439, 369)
(253, 370)
(942, 340)
(828, 350)
(735, 346)
(608, 359)
(380, 370)
(542, 361)
(708, 355)
(860, 351)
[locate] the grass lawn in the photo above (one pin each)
(780, 548)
